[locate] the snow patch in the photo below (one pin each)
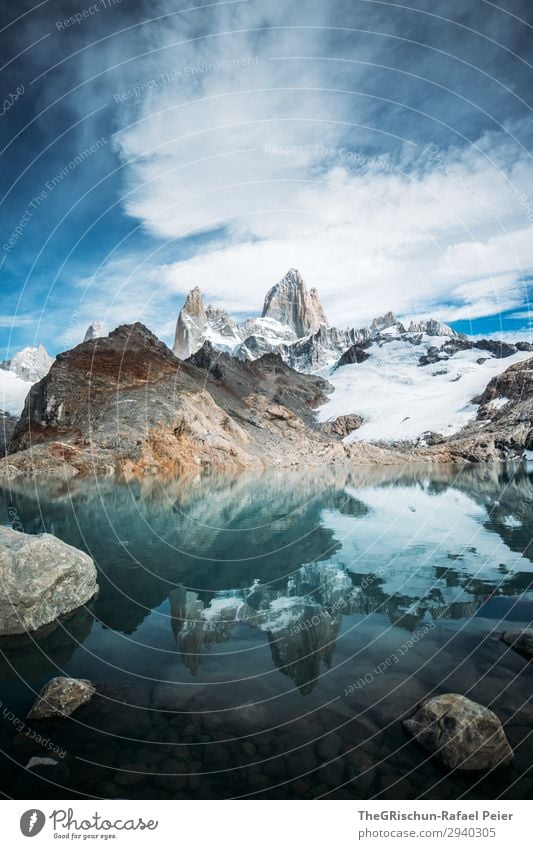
(498, 403)
(400, 400)
(13, 391)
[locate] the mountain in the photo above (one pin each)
(290, 303)
(191, 322)
(234, 395)
(293, 324)
(197, 324)
(18, 374)
(125, 404)
(30, 364)
(93, 331)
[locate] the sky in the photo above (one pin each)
(382, 148)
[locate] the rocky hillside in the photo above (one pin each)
(125, 404)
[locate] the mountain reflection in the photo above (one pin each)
(292, 558)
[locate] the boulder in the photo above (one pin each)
(41, 578)
(520, 640)
(461, 733)
(61, 697)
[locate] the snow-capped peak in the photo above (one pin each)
(30, 363)
(18, 375)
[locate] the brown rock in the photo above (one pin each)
(61, 697)
(461, 733)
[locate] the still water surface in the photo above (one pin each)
(264, 635)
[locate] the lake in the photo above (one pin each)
(263, 635)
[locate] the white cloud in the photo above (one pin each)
(17, 320)
(268, 151)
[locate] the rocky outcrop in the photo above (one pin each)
(61, 697)
(41, 578)
(432, 327)
(190, 325)
(197, 323)
(290, 303)
(501, 349)
(514, 384)
(354, 354)
(342, 425)
(504, 422)
(7, 428)
(384, 321)
(461, 733)
(93, 331)
(30, 364)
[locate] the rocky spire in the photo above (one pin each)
(290, 303)
(191, 322)
(94, 331)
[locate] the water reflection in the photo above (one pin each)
(237, 616)
(291, 557)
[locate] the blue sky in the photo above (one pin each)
(381, 148)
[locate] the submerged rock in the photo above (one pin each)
(41, 578)
(520, 640)
(461, 733)
(61, 697)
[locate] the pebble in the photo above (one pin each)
(329, 747)
(258, 781)
(128, 779)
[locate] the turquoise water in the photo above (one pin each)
(264, 634)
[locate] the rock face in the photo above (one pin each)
(501, 349)
(342, 425)
(505, 415)
(7, 428)
(290, 303)
(191, 322)
(521, 641)
(461, 733)
(197, 324)
(30, 364)
(61, 697)
(94, 331)
(354, 354)
(433, 328)
(41, 578)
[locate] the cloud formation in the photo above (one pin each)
(267, 134)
